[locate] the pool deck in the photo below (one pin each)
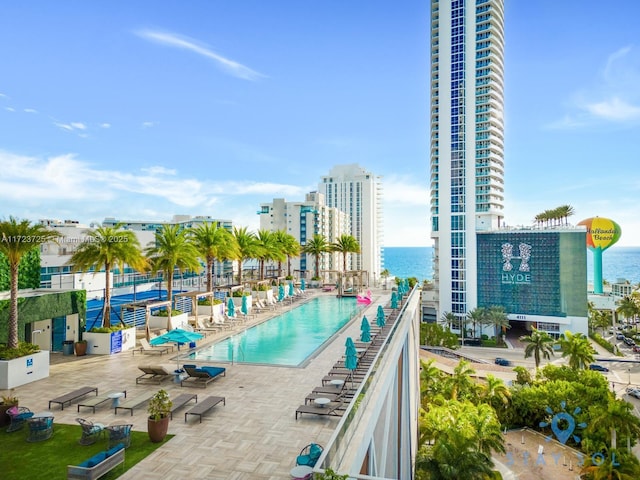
(254, 436)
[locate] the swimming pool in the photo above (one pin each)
(288, 339)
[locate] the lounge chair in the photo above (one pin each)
(98, 400)
(91, 432)
(67, 398)
(201, 376)
(205, 327)
(18, 416)
(309, 455)
(204, 406)
(180, 401)
(146, 347)
(133, 403)
(153, 374)
(331, 408)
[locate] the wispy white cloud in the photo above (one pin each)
(10, 109)
(614, 97)
(149, 124)
(2, 95)
(78, 128)
(78, 125)
(158, 170)
(30, 110)
(404, 191)
(227, 65)
(105, 125)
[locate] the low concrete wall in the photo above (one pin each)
(23, 370)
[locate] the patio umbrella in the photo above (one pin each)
(380, 320)
(231, 308)
(351, 358)
(303, 285)
(291, 291)
(365, 330)
(244, 308)
(394, 300)
(177, 336)
(280, 292)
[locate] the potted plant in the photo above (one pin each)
(80, 348)
(158, 422)
(6, 402)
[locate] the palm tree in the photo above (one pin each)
(384, 274)
(19, 238)
(628, 307)
(538, 343)
(108, 248)
(345, 244)
(247, 247)
(289, 246)
(268, 249)
(495, 392)
(449, 318)
(213, 242)
(578, 348)
(475, 316)
(460, 385)
(316, 247)
(615, 466)
(173, 249)
(496, 316)
(617, 416)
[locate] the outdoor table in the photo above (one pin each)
(301, 472)
(322, 401)
(337, 382)
(115, 398)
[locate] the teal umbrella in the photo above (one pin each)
(394, 300)
(231, 308)
(351, 358)
(365, 330)
(244, 308)
(303, 285)
(177, 336)
(380, 320)
(280, 293)
(291, 291)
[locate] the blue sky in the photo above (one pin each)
(146, 109)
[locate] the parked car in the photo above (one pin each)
(502, 361)
(598, 368)
(636, 349)
(620, 336)
(629, 341)
(633, 391)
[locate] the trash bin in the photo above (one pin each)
(67, 347)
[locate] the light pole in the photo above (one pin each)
(629, 372)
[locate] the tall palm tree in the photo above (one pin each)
(629, 307)
(617, 416)
(475, 316)
(495, 392)
(248, 247)
(316, 247)
(460, 385)
(345, 244)
(384, 274)
(173, 249)
(213, 243)
(496, 316)
(578, 348)
(449, 318)
(289, 246)
(108, 248)
(538, 344)
(269, 249)
(17, 238)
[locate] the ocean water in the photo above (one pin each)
(617, 263)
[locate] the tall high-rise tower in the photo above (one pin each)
(467, 141)
(358, 193)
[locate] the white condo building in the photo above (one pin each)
(358, 193)
(303, 220)
(467, 142)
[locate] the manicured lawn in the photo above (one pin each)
(48, 460)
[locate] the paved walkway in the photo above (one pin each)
(255, 436)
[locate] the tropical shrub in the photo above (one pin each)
(24, 349)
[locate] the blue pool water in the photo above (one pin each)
(288, 339)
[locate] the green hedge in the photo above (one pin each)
(28, 271)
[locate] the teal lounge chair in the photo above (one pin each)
(309, 455)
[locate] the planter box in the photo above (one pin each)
(23, 370)
(177, 321)
(110, 343)
(205, 310)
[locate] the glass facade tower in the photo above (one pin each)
(467, 141)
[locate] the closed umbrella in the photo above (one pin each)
(303, 285)
(291, 291)
(231, 308)
(244, 308)
(380, 320)
(365, 330)
(351, 358)
(394, 300)
(280, 292)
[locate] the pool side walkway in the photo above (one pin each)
(254, 436)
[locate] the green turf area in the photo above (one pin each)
(48, 460)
